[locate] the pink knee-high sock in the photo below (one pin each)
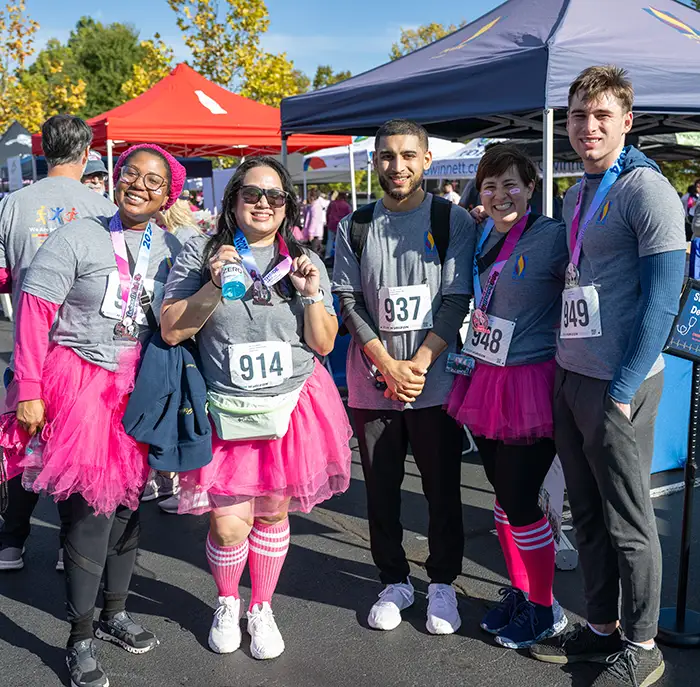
(268, 548)
(514, 562)
(536, 545)
(227, 564)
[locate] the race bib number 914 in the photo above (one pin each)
(405, 308)
(260, 365)
(580, 313)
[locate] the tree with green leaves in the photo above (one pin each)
(325, 76)
(412, 39)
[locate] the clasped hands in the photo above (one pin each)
(404, 380)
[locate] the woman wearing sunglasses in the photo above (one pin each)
(280, 429)
(519, 265)
(79, 330)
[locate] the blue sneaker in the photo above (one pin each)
(531, 624)
(500, 616)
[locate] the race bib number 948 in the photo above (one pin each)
(491, 347)
(580, 313)
(405, 308)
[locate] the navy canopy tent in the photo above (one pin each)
(499, 74)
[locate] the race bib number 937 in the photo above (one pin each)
(405, 308)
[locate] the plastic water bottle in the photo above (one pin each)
(33, 461)
(232, 281)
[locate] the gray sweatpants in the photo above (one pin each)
(607, 465)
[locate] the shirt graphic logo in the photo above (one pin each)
(603, 216)
(429, 243)
(520, 267)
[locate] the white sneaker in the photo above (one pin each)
(60, 567)
(386, 612)
(225, 633)
(265, 638)
(170, 505)
(443, 616)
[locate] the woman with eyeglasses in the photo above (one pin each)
(82, 319)
(281, 433)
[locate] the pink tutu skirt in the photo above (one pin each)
(512, 404)
(308, 465)
(86, 450)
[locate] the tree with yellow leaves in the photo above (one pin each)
(156, 64)
(30, 98)
(412, 39)
(225, 46)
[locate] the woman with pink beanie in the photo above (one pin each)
(82, 321)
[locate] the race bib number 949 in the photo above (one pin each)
(491, 347)
(260, 365)
(580, 313)
(405, 308)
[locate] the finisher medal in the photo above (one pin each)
(572, 276)
(480, 321)
(261, 294)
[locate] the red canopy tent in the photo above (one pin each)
(190, 116)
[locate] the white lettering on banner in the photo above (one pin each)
(580, 313)
(260, 365)
(462, 169)
(405, 308)
(492, 346)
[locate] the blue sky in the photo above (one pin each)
(352, 34)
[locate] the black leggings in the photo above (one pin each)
(97, 543)
(516, 472)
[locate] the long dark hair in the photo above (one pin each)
(226, 227)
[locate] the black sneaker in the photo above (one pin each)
(632, 667)
(84, 669)
(129, 635)
(580, 643)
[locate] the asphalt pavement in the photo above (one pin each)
(327, 587)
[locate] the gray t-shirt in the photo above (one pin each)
(529, 289)
(184, 234)
(29, 215)
(76, 268)
(236, 325)
(641, 216)
(400, 251)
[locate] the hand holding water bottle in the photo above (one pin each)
(227, 273)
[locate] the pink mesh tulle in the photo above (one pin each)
(87, 450)
(512, 403)
(13, 441)
(308, 465)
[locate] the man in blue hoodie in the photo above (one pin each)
(627, 247)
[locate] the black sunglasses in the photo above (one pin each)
(251, 195)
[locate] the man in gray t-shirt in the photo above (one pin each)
(404, 306)
(27, 217)
(622, 292)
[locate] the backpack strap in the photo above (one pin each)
(440, 209)
(359, 228)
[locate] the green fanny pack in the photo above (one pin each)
(246, 418)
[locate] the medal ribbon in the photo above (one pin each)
(610, 177)
(277, 273)
(504, 254)
(131, 286)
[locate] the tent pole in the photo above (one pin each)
(110, 168)
(548, 162)
(369, 178)
(284, 149)
(352, 177)
(34, 172)
(305, 188)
